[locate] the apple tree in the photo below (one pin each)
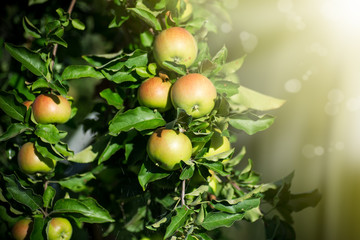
(158, 112)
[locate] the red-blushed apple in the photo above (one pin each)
(195, 94)
(167, 147)
(21, 229)
(155, 93)
(31, 162)
(175, 45)
(51, 108)
(59, 228)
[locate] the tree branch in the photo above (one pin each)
(70, 9)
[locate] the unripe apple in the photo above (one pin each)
(30, 161)
(167, 147)
(21, 229)
(175, 45)
(59, 229)
(51, 108)
(218, 144)
(155, 93)
(195, 94)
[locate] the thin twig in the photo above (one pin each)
(70, 9)
(183, 193)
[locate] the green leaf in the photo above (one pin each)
(31, 60)
(147, 16)
(112, 98)
(221, 56)
(137, 59)
(227, 87)
(62, 149)
(215, 220)
(38, 226)
(11, 107)
(140, 118)
(117, 23)
(255, 100)
(90, 211)
(5, 217)
(57, 40)
(215, 166)
(46, 151)
(52, 26)
(180, 69)
(76, 23)
(48, 133)
(187, 172)
(118, 77)
(301, 201)
(199, 190)
(21, 194)
(48, 196)
(146, 38)
(149, 172)
(40, 83)
(251, 123)
(243, 206)
(177, 221)
(203, 236)
(33, 2)
(13, 130)
(80, 71)
(77, 183)
(30, 28)
(136, 223)
(111, 148)
(85, 156)
(233, 66)
(275, 229)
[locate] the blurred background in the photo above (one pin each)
(306, 52)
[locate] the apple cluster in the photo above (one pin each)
(57, 228)
(194, 93)
(45, 109)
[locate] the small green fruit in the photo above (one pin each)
(175, 45)
(59, 229)
(167, 147)
(31, 162)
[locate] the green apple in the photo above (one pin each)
(218, 144)
(167, 147)
(59, 229)
(175, 45)
(31, 162)
(155, 93)
(21, 229)
(51, 108)
(195, 94)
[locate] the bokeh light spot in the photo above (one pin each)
(293, 85)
